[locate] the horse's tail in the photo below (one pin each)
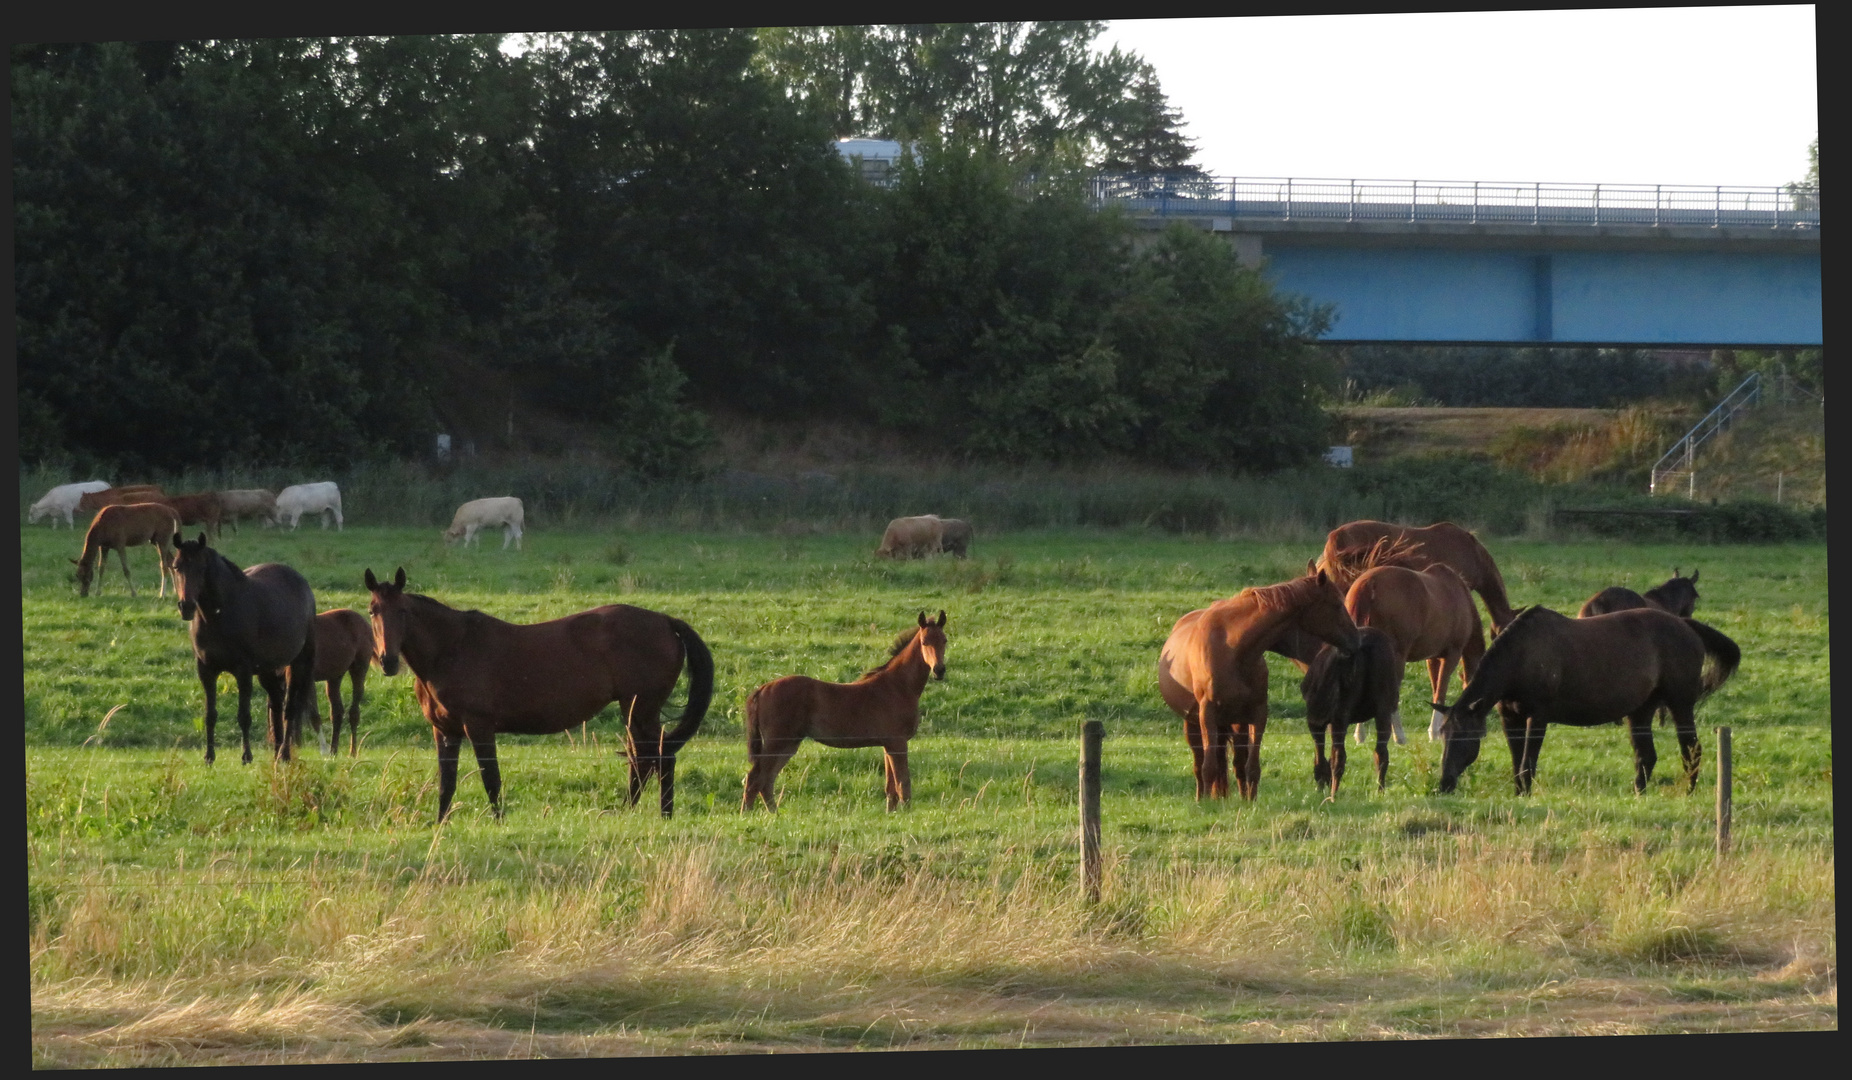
(1721, 657)
(700, 688)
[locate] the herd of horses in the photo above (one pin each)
(1378, 598)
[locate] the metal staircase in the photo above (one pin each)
(1677, 468)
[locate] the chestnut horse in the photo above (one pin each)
(1293, 643)
(343, 647)
(882, 708)
(1678, 596)
(1430, 615)
(258, 622)
(1342, 690)
(476, 676)
(1353, 548)
(1546, 668)
(121, 528)
(1218, 659)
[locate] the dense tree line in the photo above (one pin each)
(321, 250)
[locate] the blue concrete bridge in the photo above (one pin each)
(1502, 263)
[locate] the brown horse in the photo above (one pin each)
(1430, 615)
(476, 676)
(1353, 548)
(1293, 643)
(1678, 596)
(882, 708)
(1546, 668)
(1219, 660)
(92, 501)
(343, 647)
(120, 528)
(1342, 690)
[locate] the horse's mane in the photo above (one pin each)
(1386, 551)
(1286, 596)
(900, 645)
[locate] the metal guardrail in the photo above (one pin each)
(1668, 468)
(1473, 202)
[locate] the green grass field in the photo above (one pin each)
(181, 913)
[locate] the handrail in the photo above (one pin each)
(1474, 202)
(1749, 391)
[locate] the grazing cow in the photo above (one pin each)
(955, 537)
(256, 502)
(92, 501)
(124, 527)
(911, 537)
(299, 499)
(62, 501)
(199, 508)
(504, 510)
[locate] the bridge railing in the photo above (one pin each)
(1463, 202)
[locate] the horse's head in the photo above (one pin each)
(84, 574)
(1678, 596)
(387, 610)
(196, 568)
(1461, 734)
(1324, 616)
(932, 643)
(1322, 687)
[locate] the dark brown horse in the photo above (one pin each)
(343, 647)
(1218, 659)
(252, 623)
(1678, 596)
(882, 708)
(1342, 690)
(1430, 616)
(1351, 549)
(476, 676)
(1546, 668)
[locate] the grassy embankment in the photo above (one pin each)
(181, 913)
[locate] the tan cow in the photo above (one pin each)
(911, 537)
(955, 538)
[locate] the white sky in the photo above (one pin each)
(1665, 95)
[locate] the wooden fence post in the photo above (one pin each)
(1092, 732)
(1723, 790)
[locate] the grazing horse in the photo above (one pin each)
(1546, 668)
(1430, 615)
(1220, 660)
(1342, 690)
(343, 647)
(476, 676)
(882, 708)
(1293, 643)
(258, 622)
(121, 528)
(1678, 596)
(1353, 548)
(92, 501)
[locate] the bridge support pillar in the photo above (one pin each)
(1247, 249)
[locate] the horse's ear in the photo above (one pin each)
(1694, 577)
(202, 538)
(922, 620)
(1311, 566)
(1322, 579)
(372, 582)
(178, 540)
(941, 618)
(398, 579)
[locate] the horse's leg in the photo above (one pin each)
(357, 677)
(1321, 769)
(209, 679)
(1257, 729)
(665, 784)
(764, 769)
(1645, 755)
(1216, 741)
(1514, 737)
(1440, 669)
(275, 697)
(1193, 735)
(1338, 758)
(484, 745)
(244, 713)
(1382, 752)
(122, 554)
(1532, 731)
(1690, 752)
(448, 746)
(1238, 753)
(334, 713)
(902, 776)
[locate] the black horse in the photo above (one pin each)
(1546, 668)
(257, 622)
(1341, 690)
(1678, 596)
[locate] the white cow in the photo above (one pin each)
(299, 499)
(62, 500)
(486, 514)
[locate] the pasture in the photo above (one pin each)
(181, 913)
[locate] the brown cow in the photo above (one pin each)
(1351, 549)
(93, 501)
(911, 537)
(121, 528)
